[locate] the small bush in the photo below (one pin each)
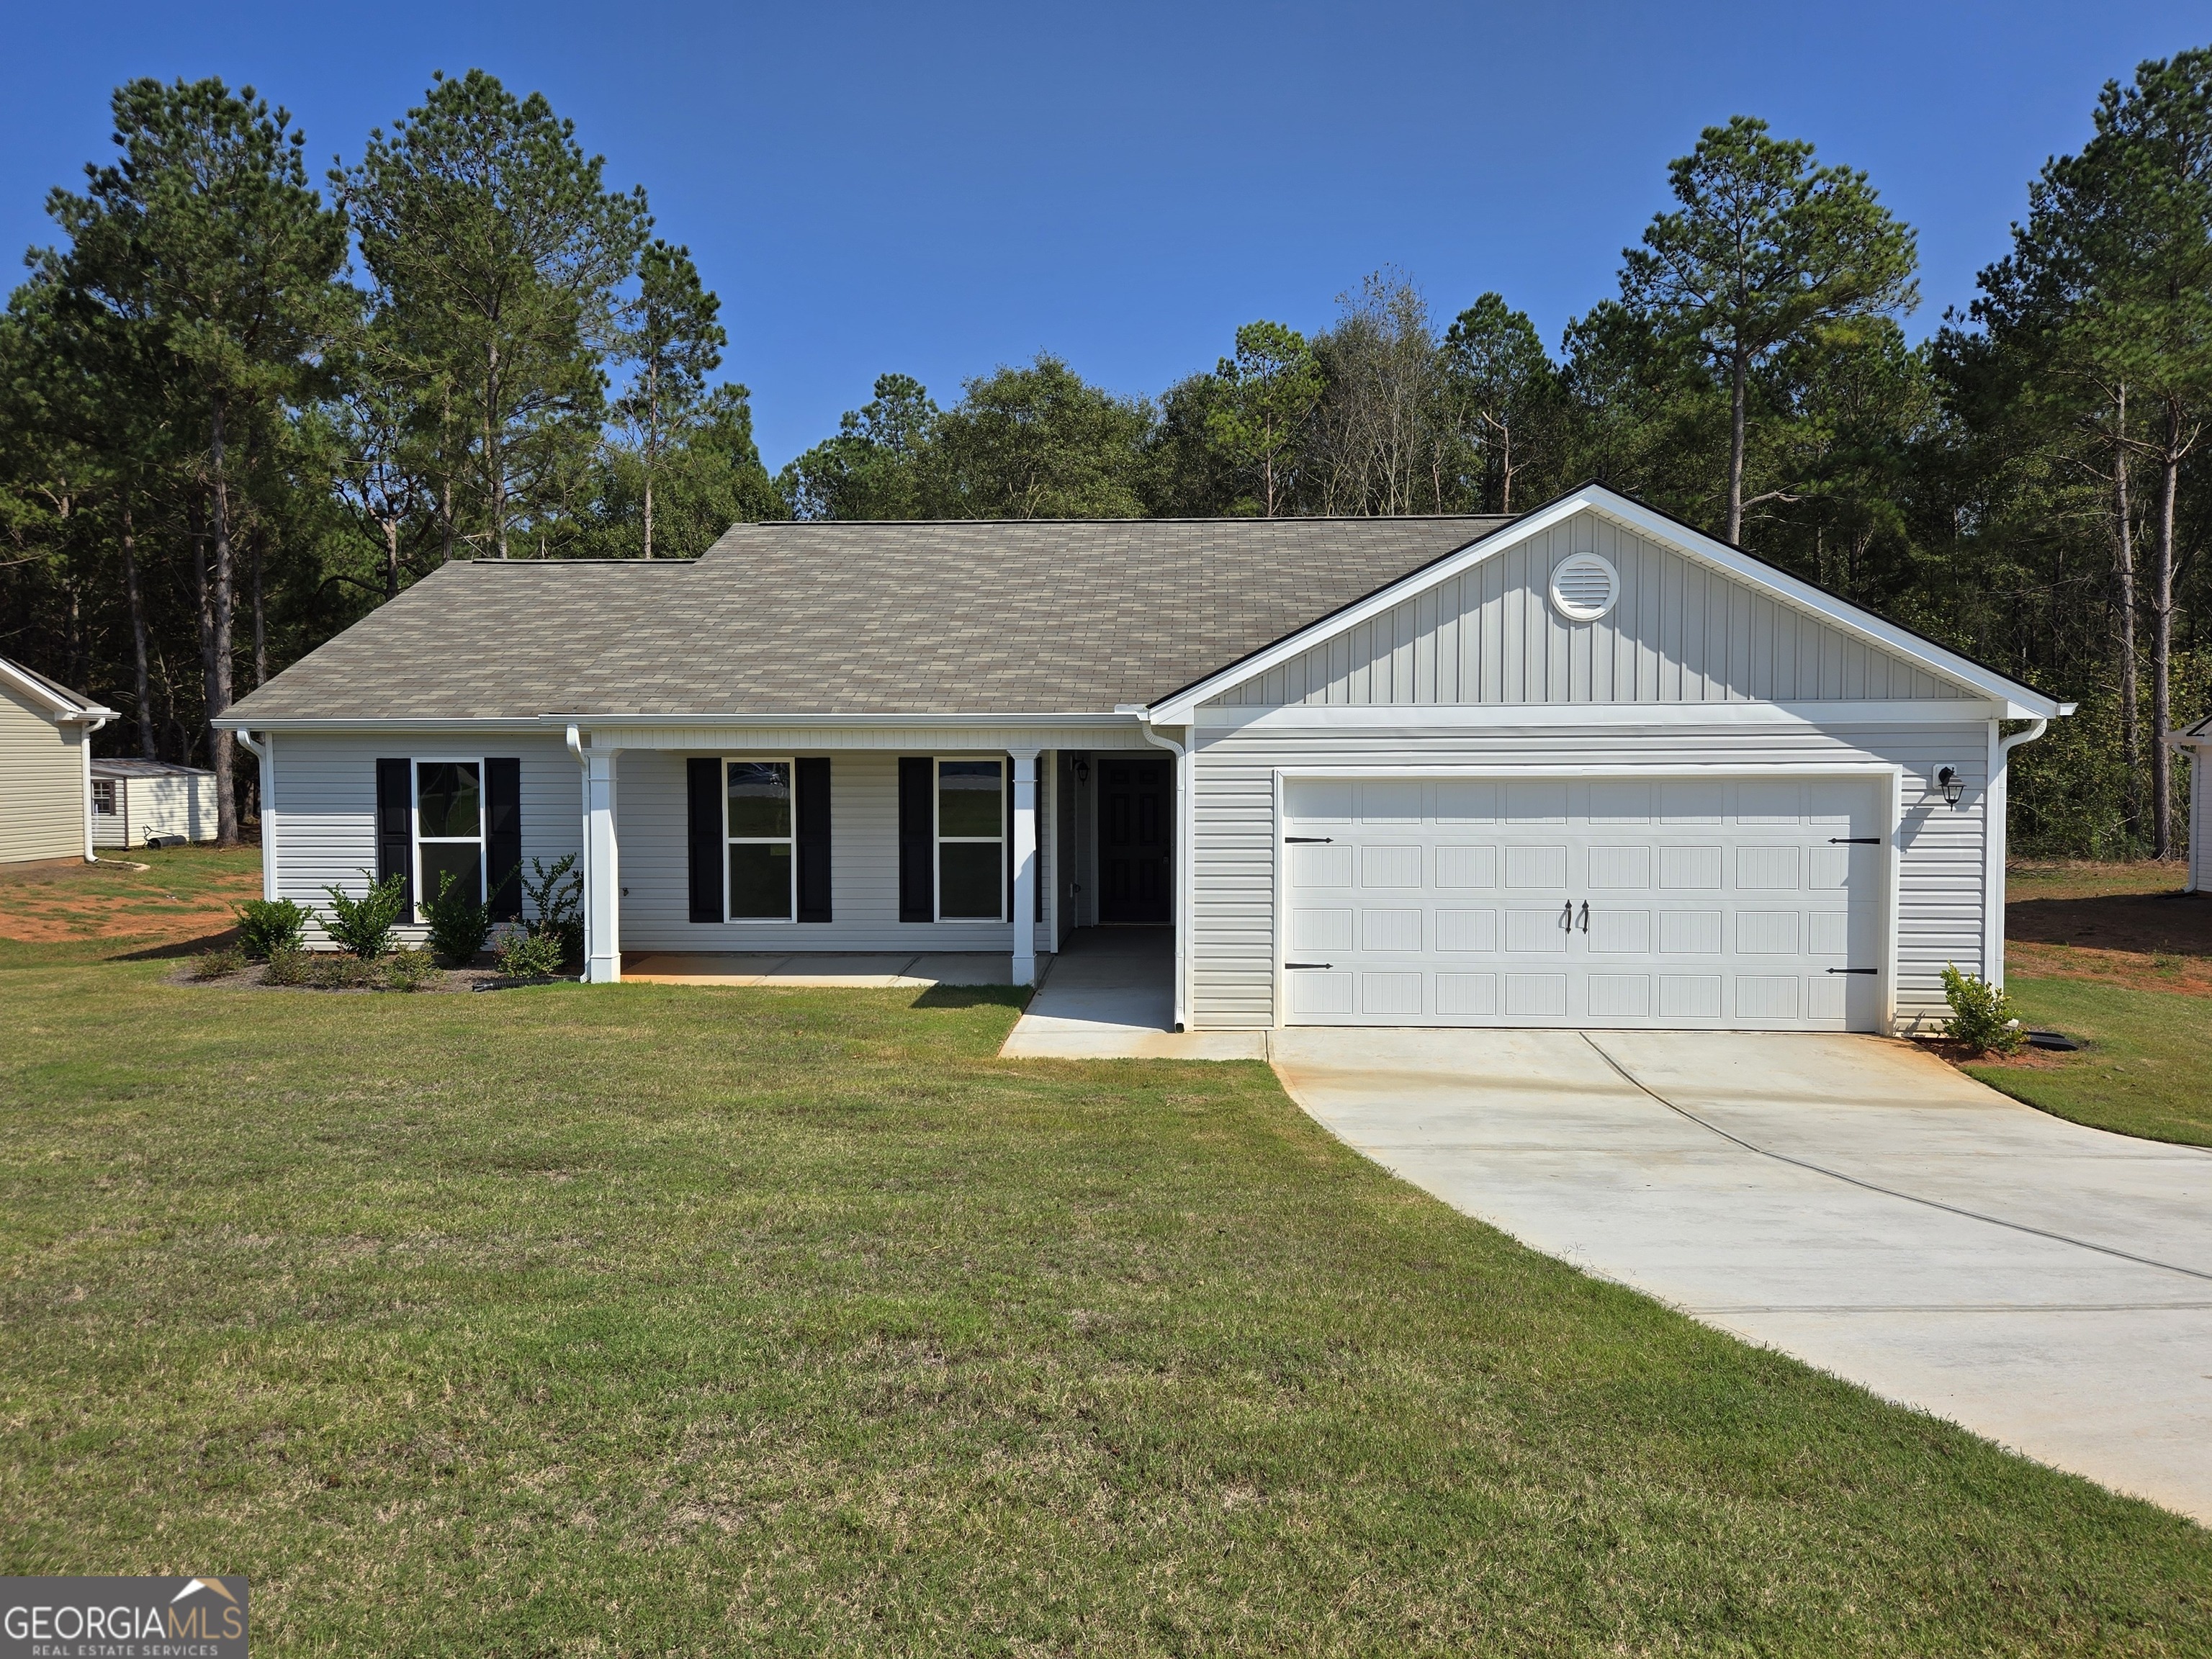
(412, 970)
(1982, 1020)
(324, 971)
(458, 923)
(363, 926)
(531, 956)
(219, 964)
(267, 925)
(287, 965)
(557, 896)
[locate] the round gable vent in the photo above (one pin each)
(1584, 586)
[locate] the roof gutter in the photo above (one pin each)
(647, 722)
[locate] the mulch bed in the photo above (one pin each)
(253, 977)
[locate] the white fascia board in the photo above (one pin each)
(612, 722)
(410, 724)
(62, 708)
(1536, 717)
(2021, 701)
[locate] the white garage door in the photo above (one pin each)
(1750, 903)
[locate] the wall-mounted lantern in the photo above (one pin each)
(1953, 786)
(1083, 770)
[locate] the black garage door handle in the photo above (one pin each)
(1855, 841)
(1854, 970)
(1309, 965)
(1309, 841)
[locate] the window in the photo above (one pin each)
(972, 846)
(758, 820)
(103, 797)
(449, 829)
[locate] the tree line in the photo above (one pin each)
(227, 395)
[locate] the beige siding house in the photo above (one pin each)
(46, 748)
(1583, 766)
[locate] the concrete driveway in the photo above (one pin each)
(1850, 1201)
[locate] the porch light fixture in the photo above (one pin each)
(1082, 769)
(1953, 786)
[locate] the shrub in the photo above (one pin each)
(531, 956)
(557, 896)
(457, 922)
(1981, 1015)
(268, 925)
(412, 970)
(219, 964)
(363, 926)
(287, 965)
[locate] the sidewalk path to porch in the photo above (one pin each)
(881, 971)
(1110, 994)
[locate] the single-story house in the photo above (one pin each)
(1583, 766)
(46, 750)
(144, 803)
(2197, 744)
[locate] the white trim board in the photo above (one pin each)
(2021, 701)
(1537, 716)
(65, 710)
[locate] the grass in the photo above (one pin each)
(656, 1320)
(2141, 1071)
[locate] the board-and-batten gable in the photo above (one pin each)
(1682, 631)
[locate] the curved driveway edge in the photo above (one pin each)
(1845, 1200)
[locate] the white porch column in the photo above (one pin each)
(1025, 846)
(602, 870)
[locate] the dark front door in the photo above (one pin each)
(1132, 841)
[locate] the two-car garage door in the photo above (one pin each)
(1748, 902)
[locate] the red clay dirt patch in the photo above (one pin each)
(186, 895)
(2125, 924)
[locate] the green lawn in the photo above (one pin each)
(657, 1320)
(2143, 1069)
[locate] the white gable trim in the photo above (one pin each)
(2019, 701)
(61, 709)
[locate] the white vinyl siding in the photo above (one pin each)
(326, 806)
(1236, 837)
(1681, 632)
(42, 798)
(650, 797)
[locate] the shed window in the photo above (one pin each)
(449, 830)
(971, 847)
(757, 819)
(103, 797)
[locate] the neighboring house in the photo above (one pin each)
(45, 745)
(143, 803)
(2197, 744)
(1583, 766)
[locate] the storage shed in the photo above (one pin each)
(143, 803)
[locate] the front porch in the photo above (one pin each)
(833, 969)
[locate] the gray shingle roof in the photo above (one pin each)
(1021, 616)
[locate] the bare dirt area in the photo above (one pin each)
(158, 898)
(2129, 925)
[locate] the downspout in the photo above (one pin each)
(84, 752)
(1993, 924)
(584, 830)
(264, 752)
(1186, 808)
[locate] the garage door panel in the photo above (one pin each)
(1535, 933)
(1471, 866)
(1540, 866)
(1712, 903)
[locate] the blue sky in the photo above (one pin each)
(938, 189)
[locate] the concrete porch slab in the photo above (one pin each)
(820, 969)
(1110, 994)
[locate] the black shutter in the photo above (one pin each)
(813, 825)
(1006, 779)
(917, 839)
(395, 826)
(708, 848)
(503, 838)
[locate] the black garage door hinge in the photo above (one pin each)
(1323, 841)
(1309, 965)
(1854, 970)
(1855, 841)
